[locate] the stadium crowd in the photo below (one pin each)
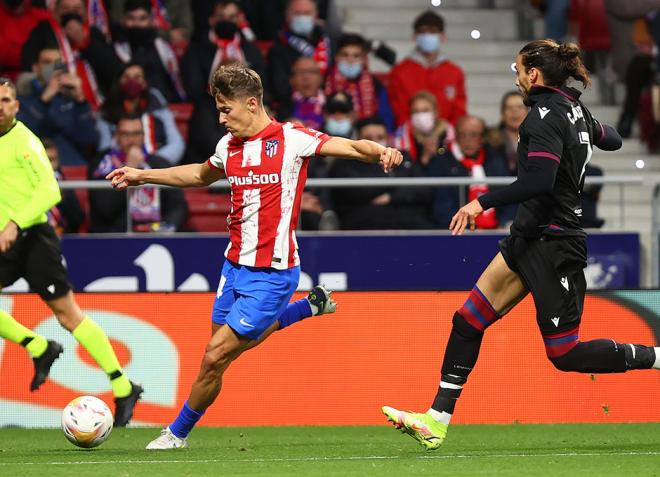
(106, 83)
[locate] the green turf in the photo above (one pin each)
(584, 450)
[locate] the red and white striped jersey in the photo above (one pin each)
(267, 174)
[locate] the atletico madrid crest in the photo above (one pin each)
(271, 147)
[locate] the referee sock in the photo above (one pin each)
(12, 330)
(295, 312)
(185, 421)
(94, 340)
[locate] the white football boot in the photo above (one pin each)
(167, 440)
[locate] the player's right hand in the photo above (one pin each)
(466, 216)
(125, 177)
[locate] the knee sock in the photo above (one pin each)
(94, 340)
(13, 331)
(185, 421)
(605, 356)
(295, 312)
(462, 351)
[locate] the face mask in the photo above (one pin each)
(140, 36)
(131, 88)
(13, 4)
(428, 42)
(68, 17)
(47, 73)
(423, 122)
(350, 70)
(339, 127)
(225, 30)
(302, 24)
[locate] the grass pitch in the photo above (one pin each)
(578, 449)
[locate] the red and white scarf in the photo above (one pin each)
(226, 50)
(319, 52)
(488, 219)
(97, 16)
(79, 66)
(362, 90)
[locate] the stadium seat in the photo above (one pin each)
(207, 211)
(79, 173)
(182, 113)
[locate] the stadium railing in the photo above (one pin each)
(619, 180)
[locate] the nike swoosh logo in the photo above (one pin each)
(245, 323)
(231, 154)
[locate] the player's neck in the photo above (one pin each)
(261, 121)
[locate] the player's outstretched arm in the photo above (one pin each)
(190, 175)
(606, 137)
(363, 150)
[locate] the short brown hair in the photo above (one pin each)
(235, 80)
(429, 19)
(5, 81)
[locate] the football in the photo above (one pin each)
(87, 422)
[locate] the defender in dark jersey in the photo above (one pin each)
(546, 252)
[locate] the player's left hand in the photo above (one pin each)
(465, 216)
(8, 236)
(390, 158)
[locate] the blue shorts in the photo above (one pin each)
(251, 299)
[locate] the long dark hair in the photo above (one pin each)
(558, 62)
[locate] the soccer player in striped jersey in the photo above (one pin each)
(546, 252)
(265, 163)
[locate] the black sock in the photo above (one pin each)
(460, 357)
(605, 356)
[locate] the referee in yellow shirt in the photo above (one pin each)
(29, 248)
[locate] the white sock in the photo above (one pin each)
(656, 365)
(440, 416)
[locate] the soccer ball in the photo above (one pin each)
(87, 422)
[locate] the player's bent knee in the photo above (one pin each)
(464, 329)
(564, 363)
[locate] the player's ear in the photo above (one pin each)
(252, 104)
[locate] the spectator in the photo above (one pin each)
(173, 16)
(67, 216)
(202, 10)
(137, 41)
(302, 36)
(339, 115)
(621, 19)
(468, 156)
(84, 49)
(268, 17)
(504, 137)
(18, 18)
(425, 132)
(150, 209)
(362, 208)
(224, 41)
(131, 94)
(307, 97)
(53, 105)
(427, 68)
(351, 75)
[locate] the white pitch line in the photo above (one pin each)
(339, 458)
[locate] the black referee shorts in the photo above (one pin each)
(552, 268)
(36, 257)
